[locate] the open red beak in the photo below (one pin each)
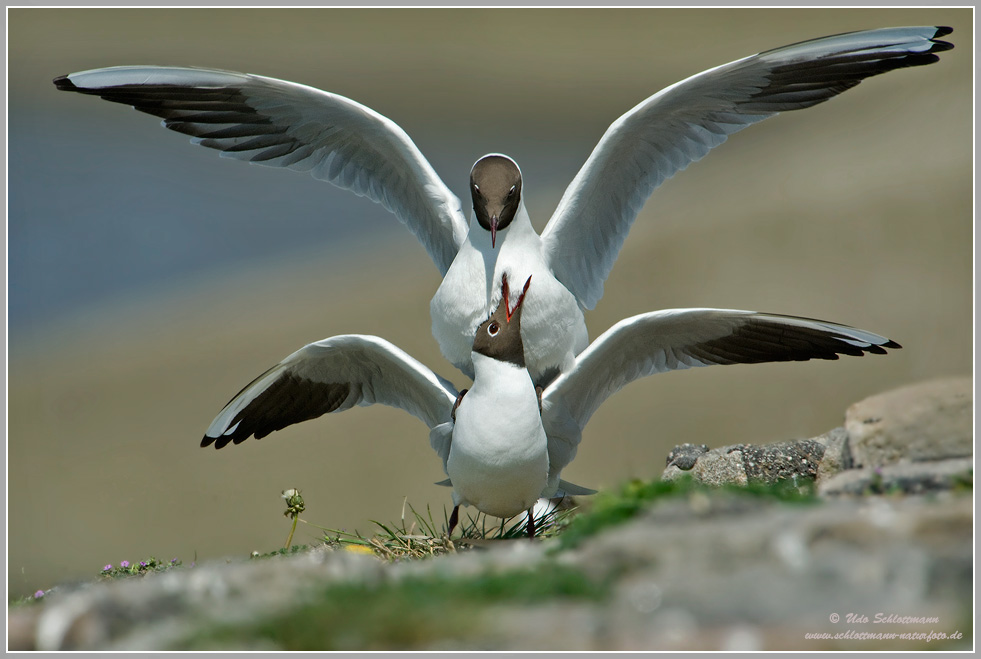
(506, 293)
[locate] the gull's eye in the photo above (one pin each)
(511, 191)
(493, 328)
(476, 188)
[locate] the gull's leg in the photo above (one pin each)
(454, 516)
(531, 523)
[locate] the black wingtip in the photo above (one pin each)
(64, 84)
(880, 348)
(940, 46)
(219, 442)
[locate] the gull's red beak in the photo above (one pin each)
(506, 293)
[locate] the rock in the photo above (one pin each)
(740, 464)
(718, 571)
(837, 455)
(909, 478)
(684, 456)
(20, 628)
(161, 610)
(776, 571)
(783, 460)
(920, 422)
(925, 421)
(719, 467)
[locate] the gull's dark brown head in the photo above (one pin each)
(495, 186)
(499, 337)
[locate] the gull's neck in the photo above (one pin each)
(518, 230)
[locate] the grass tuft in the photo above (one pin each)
(282, 551)
(420, 536)
(139, 568)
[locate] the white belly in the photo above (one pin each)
(499, 453)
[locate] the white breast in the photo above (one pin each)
(499, 453)
(553, 329)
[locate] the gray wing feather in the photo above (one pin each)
(680, 124)
(282, 124)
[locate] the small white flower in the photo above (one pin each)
(294, 503)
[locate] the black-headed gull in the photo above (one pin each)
(284, 124)
(505, 442)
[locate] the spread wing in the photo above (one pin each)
(331, 376)
(680, 124)
(283, 124)
(676, 339)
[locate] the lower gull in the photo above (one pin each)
(504, 442)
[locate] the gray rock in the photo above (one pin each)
(925, 421)
(784, 460)
(909, 478)
(707, 572)
(740, 464)
(921, 422)
(719, 467)
(837, 454)
(161, 610)
(762, 574)
(684, 456)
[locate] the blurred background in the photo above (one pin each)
(150, 280)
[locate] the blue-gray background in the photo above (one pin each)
(149, 280)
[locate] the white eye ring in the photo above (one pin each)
(493, 329)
